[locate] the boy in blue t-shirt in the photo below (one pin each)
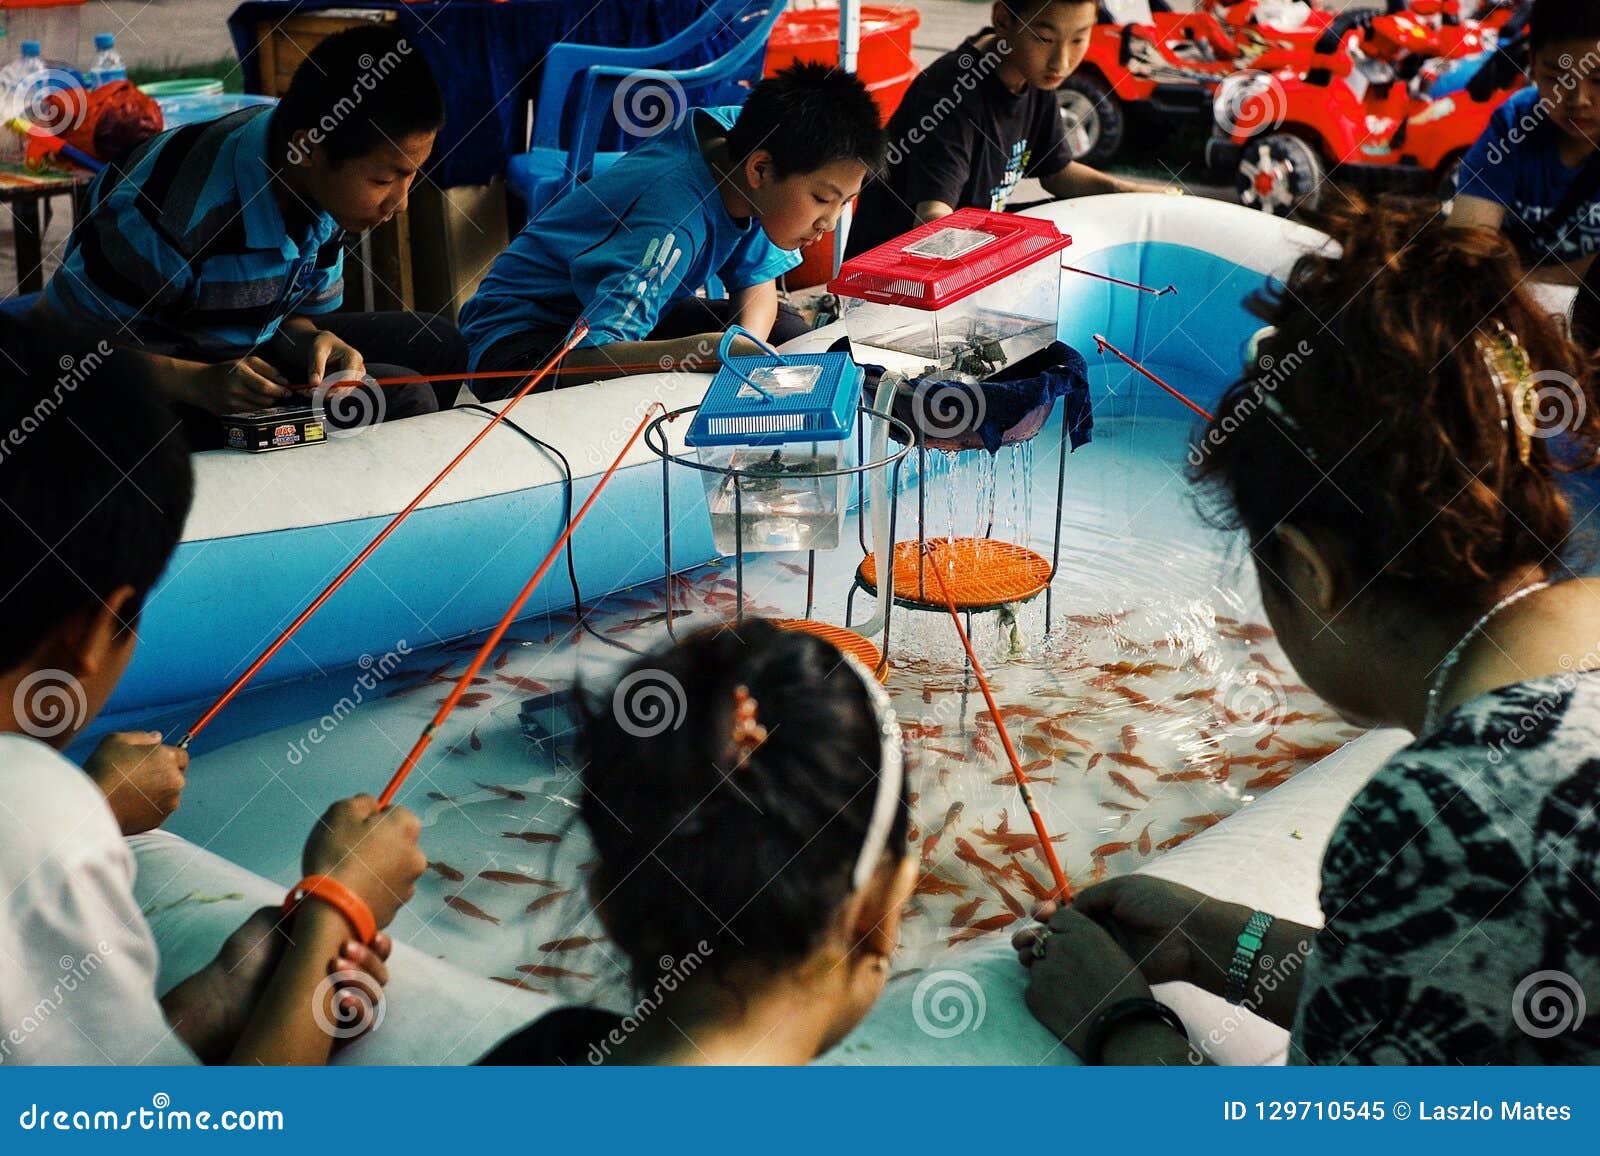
(725, 192)
(1535, 172)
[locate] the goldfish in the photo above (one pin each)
(445, 870)
(1008, 780)
(570, 944)
(1144, 840)
(962, 915)
(1206, 692)
(546, 971)
(1056, 731)
(1183, 776)
(1203, 821)
(982, 746)
(1108, 849)
(1295, 750)
(1130, 738)
(1269, 779)
(1130, 670)
(1262, 660)
(526, 685)
(982, 927)
(531, 836)
(544, 901)
(1094, 759)
(1248, 632)
(1013, 843)
(1122, 758)
(1115, 806)
(950, 817)
(1180, 837)
(440, 798)
(1030, 882)
(515, 877)
(1127, 784)
(984, 716)
(503, 792)
(1013, 904)
(477, 698)
(1098, 873)
(932, 883)
(1263, 742)
(521, 984)
(968, 854)
(1130, 694)
(958, 756)
(456, 903)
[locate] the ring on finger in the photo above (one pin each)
(1040, 941)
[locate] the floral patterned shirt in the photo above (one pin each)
(1461, 892)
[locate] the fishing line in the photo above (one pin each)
(1102, 345)
(506, 619)
(1120, 281)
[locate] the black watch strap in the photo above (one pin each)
(1119, 1013)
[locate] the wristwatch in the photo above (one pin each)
(1245, 950)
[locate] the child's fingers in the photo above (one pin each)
(263, 368)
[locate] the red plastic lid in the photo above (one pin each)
(939, 263)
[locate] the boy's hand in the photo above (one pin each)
(236, 386)
(373, 852)
(327, 354)
(141, 779)
(1080, 973)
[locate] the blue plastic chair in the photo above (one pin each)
(597, 73)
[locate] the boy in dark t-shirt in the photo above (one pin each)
(982, 118)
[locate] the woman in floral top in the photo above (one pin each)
(1403, 496)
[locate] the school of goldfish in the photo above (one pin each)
(1136, 735)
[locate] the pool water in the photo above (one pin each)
(1158, 705)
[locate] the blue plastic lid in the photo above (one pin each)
(31, 48)
(104, 40)
(775, 399)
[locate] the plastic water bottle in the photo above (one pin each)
(17, 80)
(107, 66)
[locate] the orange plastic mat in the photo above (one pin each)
(981, 573)
(846, 640)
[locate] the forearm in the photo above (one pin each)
(1273, 990)
(933, 211)
(293, 338)
(1079, 180)
(1146, 1042)
(757, 308)
(284, 1028)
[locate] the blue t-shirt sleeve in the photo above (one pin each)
(756, 260)
(1489, 170)
(326, 291)
(627, 281)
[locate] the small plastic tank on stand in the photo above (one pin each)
(773, 448)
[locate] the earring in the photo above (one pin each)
(881, 964)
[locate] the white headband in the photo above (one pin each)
(891, 776)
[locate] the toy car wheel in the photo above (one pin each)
(1092, 118)
(1280, 173)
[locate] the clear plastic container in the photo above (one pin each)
(17, 81)
(107, 67)
(781, 503)
(971, 292)
(53, 23)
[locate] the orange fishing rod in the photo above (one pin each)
(578, 332)
(1063, 889)
(506, 620)
(1102, 345)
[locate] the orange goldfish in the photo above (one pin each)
(1181, 837)
(544, 901)
(445, 870)
(1144, 840)
(546, 971)
(1108, 849)
(456, 903)
(570, 944)
(503, 792)
(1122, 758)
(1127, 784)
(1130, 737)
(962, 915)
(932, 883)
(515, 877)
(522, 984)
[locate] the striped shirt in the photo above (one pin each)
(186, 248)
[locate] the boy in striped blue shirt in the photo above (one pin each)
(217, 249)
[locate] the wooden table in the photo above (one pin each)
(27, 192)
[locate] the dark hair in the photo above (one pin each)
(808, 116)
(94, 482)
(358, 90)
(754, 858)
(1027, 9)
(1370, 412)
(1552, 20)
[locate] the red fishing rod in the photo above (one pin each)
(501, 374)
(1119, 281)
(1063, 889)
(1102, 344)
(505, 622)
(579, 331)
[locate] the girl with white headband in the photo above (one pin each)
(746, 798)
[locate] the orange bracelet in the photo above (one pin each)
(336, 895)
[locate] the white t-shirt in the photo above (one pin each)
(78, 964)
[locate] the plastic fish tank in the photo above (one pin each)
(971, 292)
(770, 430)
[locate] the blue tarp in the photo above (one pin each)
(488, 58)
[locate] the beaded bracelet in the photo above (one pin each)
(336, 895)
